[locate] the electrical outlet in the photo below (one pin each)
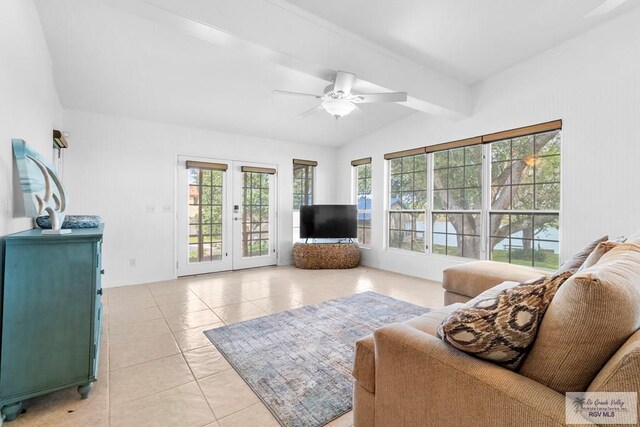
(151, 209)
(132, 262)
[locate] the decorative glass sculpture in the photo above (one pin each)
(41, 188)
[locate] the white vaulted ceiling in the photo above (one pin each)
(469, 40)
(214, 64)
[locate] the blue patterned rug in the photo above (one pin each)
(299, 362)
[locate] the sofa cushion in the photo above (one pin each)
(473, 278)
(364, 363)
(430, 321)
(574, 263)
(590, 317)
(501, 324)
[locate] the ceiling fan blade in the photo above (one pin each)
(379, 97)
(286, 92)
(344, 82)
(309, 112)
(605, 7)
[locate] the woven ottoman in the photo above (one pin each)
(330, 255)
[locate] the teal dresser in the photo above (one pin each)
(51, 314)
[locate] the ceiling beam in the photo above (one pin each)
(279, 32)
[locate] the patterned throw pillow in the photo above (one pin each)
(501, 327)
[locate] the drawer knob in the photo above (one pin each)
(102, 271)
(100, 291)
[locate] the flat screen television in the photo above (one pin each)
(328, 222)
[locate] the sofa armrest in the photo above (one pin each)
(420, 380)
(473, 278)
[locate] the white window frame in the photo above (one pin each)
(389, 211)
(481, 211)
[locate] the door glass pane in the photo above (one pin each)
(205, 215)
(255, 208)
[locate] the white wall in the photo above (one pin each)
(592, 82)
(116, 167)
(29, 107)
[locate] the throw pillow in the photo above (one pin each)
(597, 253)
(590, 317)
(501, 327)
(574, 263)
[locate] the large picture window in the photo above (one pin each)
(457, 202)
(302, 185)
(408, 202)
(362, 194)
(525, 200)
(492, 197)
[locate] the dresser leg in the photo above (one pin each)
(11, 411)
(84, 390)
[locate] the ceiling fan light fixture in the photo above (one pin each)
(338, 107)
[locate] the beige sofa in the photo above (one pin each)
(405, 376)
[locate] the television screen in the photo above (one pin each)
(328, 222)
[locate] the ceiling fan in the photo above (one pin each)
(339, 100)
(605, 7)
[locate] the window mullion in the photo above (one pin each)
(429, 209)
(486, 200)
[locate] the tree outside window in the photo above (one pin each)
(408, 202)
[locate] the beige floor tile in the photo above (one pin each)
(277, 304)
(137, 330)
(142, 350)
(181, 406)
(128, 292)
(311, 297)
(161, 391)
(344, 421)
(182, 307)
(192, 320)
(202, 286)
(238, 312)
(131, 304)
(175, 298)
(127, 317)
(206, 361)
(227, 393)
(167, 287)
(193, 338)
(66, 408)
(215, 301)
(256, 415)
(148, 378)
(265, 291)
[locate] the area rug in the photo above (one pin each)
(299, 362)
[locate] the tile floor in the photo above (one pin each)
(158, 369)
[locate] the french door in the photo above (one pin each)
(226, 215)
